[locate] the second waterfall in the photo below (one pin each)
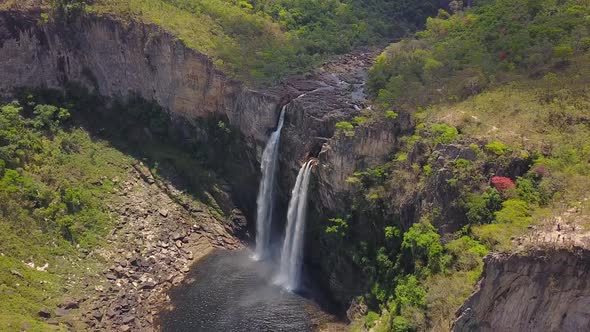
(292, 252)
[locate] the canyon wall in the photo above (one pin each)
(119, 59)
(544, 290)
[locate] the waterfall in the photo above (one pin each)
(292, 252)
(264, 202)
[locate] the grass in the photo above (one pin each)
(24, 240)
(545, 117)
(22, 297)
(196, 30)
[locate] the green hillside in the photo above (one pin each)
(508, 80)
(265, 40)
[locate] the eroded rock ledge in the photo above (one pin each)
(543, 290)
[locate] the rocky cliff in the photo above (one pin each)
(334, 93)
(545, 290)
(119, 59)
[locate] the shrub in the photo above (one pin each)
(409, 292)
(502, 183)
(427, 170)
(402, 156)
(540, 171)
(528, 190)
(338, 226)
(392, 232)
(467, 253)
(345, 127)
(513, 211)
(481, 208)
(462, 163)
(444, 133)
(401, 324)
(370, 319)
(422, 250)
(360, 120)
(497, 148)
(563, 52)
(391, 115)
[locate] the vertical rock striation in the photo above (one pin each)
(119, 59)
(544, 290)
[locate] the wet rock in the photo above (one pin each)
(177, 280)
(45, 313)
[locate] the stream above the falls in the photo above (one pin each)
(228, 291)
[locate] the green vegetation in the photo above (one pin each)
(264, 40)
(57, 181)
(498, 148)
(54, 187)
(499, 93)
(345, 127)
(460, 55)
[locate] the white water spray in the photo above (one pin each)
(292, 253)
(265, 200)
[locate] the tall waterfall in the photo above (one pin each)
(265, 200)
(292, 253)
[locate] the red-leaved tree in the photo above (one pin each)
(502, 183)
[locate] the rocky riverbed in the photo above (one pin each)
(159, 235)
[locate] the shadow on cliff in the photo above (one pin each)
(200, 158)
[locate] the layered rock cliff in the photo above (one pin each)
(545, 290)
(119, 59)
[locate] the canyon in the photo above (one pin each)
(119, 60)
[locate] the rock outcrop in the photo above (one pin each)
(333, 93)
(119, 59)
(157, 237)
(544, 290)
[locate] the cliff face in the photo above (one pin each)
(332, 94)
(117, 60)
(542, 291)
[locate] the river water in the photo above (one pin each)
(228, 291)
